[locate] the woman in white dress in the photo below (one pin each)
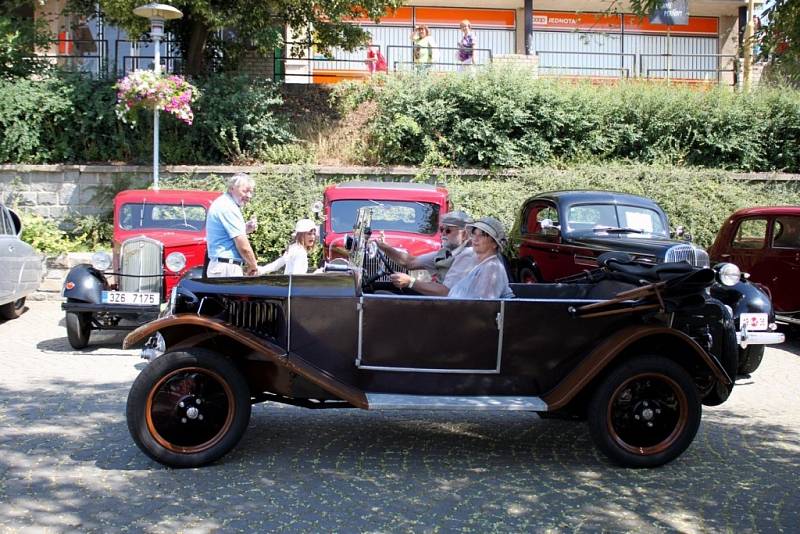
(295, 259)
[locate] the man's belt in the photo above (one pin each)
(228, 260)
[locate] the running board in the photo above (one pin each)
(788, 319)
(384, 401)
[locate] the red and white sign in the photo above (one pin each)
(602, 22)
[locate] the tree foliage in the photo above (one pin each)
(780, 38)
(246, 23)
(19, 36)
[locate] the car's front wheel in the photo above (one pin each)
(79, 328)
(645, 413)
(12, 310)
(749, 359)
(188, 408)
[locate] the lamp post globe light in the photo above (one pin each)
(157, 14)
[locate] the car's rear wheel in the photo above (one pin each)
(187, 409)
(12, 310)
(645, 413)
(79, 328)
(750, 358)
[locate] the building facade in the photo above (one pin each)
(568, 38)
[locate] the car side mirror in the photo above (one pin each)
(16, 221)
(548, 227)
(317, 208)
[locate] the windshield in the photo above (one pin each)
(401, 216)
(614, 218)
(139, 216)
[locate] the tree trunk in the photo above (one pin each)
(195, 51)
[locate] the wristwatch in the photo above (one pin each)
(411, 283)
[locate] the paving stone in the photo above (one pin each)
(67, 462)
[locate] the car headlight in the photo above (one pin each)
(729, 274)
(101, 260)
(175, 262)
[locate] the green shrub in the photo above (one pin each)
(70, 119)
(698, 199)
(44, 234)
(503, 117)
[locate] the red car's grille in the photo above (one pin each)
(141, 266)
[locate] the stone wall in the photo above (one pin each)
(53, 191)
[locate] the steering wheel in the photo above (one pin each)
(187, 225)
(372, 251)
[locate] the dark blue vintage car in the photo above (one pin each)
(634, 350)
(562, 233)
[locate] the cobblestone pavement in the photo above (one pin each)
(67, 462)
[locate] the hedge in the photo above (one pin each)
(696, 198)
(503, 117)
(71, 119)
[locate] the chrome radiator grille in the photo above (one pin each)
(140, 263)
(373, 265)
(693, 255)
(260, 317)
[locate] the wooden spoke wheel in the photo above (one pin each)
(187, 409)
(645, 413)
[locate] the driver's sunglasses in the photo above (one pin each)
(447, 230)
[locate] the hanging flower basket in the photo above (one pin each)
(142, 89)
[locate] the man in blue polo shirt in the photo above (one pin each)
(229, 250)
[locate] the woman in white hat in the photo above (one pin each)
(295, 259)
(488, 279)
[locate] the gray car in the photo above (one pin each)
(20, 266)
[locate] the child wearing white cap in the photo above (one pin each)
(295, 259)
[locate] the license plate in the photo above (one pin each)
(130, 298)
(754, 321)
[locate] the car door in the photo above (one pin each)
(780, 264)
(542, 244)
(747, 246)
(428, 335)
(10, 262)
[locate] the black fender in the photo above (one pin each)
(188, 329)
(194, 272)
(606, 354)
(743, 297)
(84, 283)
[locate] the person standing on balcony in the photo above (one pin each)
(424, 47)
(229, 250)
(376, 62)
(466, 46)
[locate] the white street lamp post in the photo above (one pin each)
(157, 14)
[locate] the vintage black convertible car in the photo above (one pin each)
(635, 350)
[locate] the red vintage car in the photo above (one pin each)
(159, 236)
(407, 213)
(765, 242)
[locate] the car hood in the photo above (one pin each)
(640, 244)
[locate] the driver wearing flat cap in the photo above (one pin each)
(447, 265)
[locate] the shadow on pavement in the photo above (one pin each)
(306, 470)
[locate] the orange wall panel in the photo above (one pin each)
(447, 16)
